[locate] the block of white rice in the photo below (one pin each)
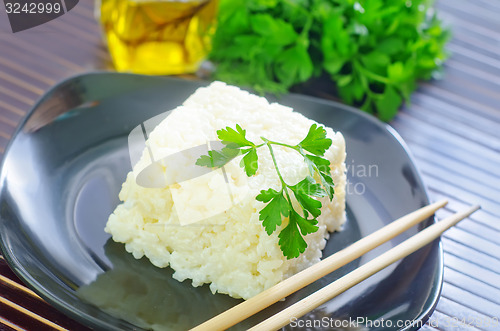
(207, 228)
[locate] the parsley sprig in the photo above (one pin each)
(279, 203)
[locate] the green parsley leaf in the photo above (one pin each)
(268, 26)
(306, 226)
(333, 64)
(267, 195)
(271, 214)
(316, 162)
(217, 159)
(322, 167)
(229, 135)
(316, 141)
(389, 103)
(250, 163)
(304, 192)
(294, 65)
(327, 182)
(308, 186)
(290, 239)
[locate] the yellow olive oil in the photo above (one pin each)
(158, 36)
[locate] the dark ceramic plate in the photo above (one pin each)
(60, 180)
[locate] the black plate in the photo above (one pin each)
(60, 180)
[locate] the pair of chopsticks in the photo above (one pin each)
(290, 285)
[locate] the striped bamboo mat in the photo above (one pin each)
(452, 128)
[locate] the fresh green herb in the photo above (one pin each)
(373, 50)
(279, 203)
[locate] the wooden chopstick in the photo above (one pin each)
(396, 253)
(290, 285)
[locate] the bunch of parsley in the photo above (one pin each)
(373, 50)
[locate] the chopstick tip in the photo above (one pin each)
(442, 202)
(438, 204)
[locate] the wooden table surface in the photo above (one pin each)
(452, 128)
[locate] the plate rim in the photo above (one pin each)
(66, 309)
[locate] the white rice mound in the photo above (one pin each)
(230, 250)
